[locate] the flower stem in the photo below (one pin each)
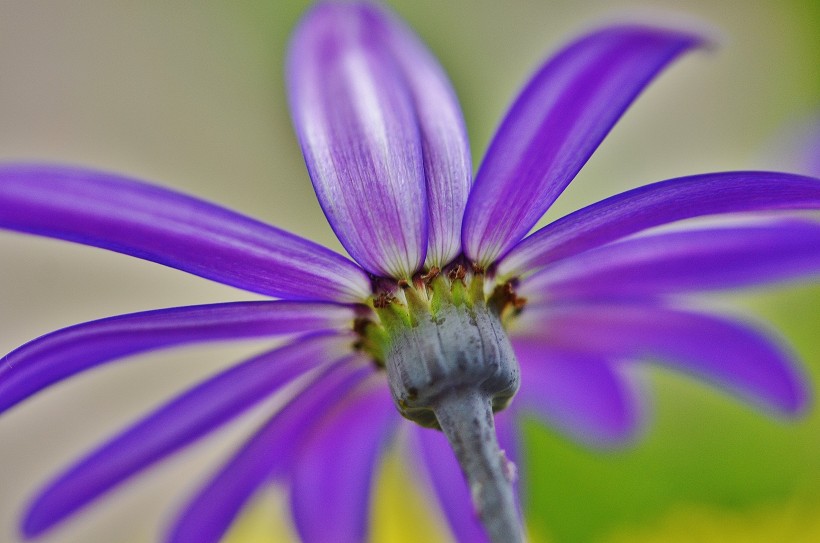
(466, 417)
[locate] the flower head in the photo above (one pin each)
(450, 311)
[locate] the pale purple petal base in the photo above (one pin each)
(356, 123)
(447, 165)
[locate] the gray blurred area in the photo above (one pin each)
(191, 95)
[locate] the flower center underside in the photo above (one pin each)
(443, 332)
(450, 365)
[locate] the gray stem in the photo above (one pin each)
(466, 417)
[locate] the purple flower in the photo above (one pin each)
(447, 296)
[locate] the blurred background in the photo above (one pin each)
(191, 95)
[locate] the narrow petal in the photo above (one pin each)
(434, 457)
(355, 120)
(580, 394)
(730, 354)
(270, 451)
(813, 159)
(555, 125)
(176, 424)
(509, 441)
(711, 258)
(657, 204)
(447, 164)
(61, 354)
(131, 217)
(332, 480)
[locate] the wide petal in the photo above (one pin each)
(61, 354)
(434, 458)
(657, 204)
(735, 356)
(332, 480)
(580, 394)
(447, 164)
(124, 215)
(271, 451)
(555, 125)
(191, 415)
(709, 258)
(355, 119)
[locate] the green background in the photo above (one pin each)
(191, 94)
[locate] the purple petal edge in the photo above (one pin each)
(61, 354)
(332, 481)
(733, 355)
(447, 164)
(555, 125)
(582, 395)
(191, 415)
(435, 460)
(657, 204)
(356, 123)
(124, 215)
(692, 260)
(271, 451)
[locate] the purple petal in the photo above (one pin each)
(127, 216)
(506, 429)
(711, 258)
(730, 354)
(435, 458)
(447, 165)
(61, 354)
(813, 160)
(270, 451)
(579, 394)
(555, 125)
(657, 204)
(808, 159)
(355, 120)
(176, 424)
(332, 480)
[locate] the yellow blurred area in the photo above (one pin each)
(263, 521)
(401, 513)
(793, 522)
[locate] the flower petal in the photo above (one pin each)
(191, 415)
(434, 457)
(127, 216)
(61, 354)
(732, 355)
(661, 203)
(712, 258)
(555, 125)
(447, 164)
(269, 452)
(355, 120)
(332, 479)
(580, 394)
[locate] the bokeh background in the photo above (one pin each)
(191, 95)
